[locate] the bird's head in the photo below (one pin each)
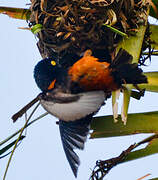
(45, 73)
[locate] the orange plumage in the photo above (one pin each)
(91, 74)
(64, 93)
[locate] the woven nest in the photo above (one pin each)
(72, 26)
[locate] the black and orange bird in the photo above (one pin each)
(76, 93)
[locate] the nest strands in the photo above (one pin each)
(72, 26)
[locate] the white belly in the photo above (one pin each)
(88, 103)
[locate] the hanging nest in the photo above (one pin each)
(69, 27)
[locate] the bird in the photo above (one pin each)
(75, 94)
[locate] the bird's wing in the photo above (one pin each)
(82, 104)
(73, 136)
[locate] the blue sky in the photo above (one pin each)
(40, 156)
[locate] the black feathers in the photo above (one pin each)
(45, 72)
(73, 136)
(124, 72)
(74, 105)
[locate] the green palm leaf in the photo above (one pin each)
(137, 123)
(17, 13)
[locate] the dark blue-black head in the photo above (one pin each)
(45, 72)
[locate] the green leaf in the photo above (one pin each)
(17, 13)
(152, 84)
(154, 8)
(137, 123)
(133, 44)
(17, 132)
(154, 53)
(151, 148)
(36, 28)
(3, 150)
(154, 36)
(115, 30)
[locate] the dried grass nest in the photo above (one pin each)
(69, 27)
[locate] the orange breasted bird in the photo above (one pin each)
(76, 93)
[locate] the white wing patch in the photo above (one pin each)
(89, 102)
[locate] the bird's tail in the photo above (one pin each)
(124, 72)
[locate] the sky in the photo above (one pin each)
(41, 156)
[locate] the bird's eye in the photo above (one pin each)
(53, 63)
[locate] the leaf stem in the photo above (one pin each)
(17, 132)
(22, 129)
(116, 30)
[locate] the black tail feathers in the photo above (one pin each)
(74, 135)
(125, 72)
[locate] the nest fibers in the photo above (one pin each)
(72, 26)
